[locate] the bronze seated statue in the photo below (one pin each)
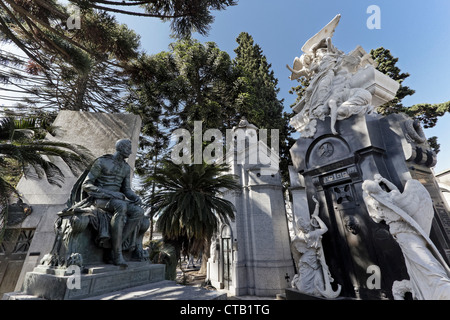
(104, 219)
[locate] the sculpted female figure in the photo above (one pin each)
(318, 66)
(313, 275)
(409, 215)
(345, 100)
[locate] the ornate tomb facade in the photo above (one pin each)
(344, 142)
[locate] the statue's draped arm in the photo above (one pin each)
(414, 225)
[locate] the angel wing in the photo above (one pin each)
(326, 32)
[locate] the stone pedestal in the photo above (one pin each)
(61, 284)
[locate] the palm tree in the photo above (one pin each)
(188, 205)
(20, 151)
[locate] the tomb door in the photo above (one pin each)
(355, 244)
(350, 234)
(227, 257)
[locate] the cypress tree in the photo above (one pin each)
(257, 99)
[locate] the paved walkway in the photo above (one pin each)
(188, 286)
(163, 290)
(190, 289)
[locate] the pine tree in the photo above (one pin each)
(428, 114)
(28, 23)
(173, 89)
(186, 16)
(192, 82)
(76, 69)
(387, 65)
(257, 98)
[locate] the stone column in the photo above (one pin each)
(261, 247)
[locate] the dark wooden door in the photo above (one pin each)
(227, 259)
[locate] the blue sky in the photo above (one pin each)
(417, 32)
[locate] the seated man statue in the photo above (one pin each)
(103, 217)
(108, 185)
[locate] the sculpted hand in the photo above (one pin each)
(117, 195)
(316, 210)
(377, 177)
(315, 199)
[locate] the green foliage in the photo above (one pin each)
(428, 114)
(256, 96)
(164, 253)
(31, 153)
(434, 144)
(77, 69)
(105, 39)
(299, 90)
(186, 16)
(387, 65)
(192, 82)
(27, 154)
(188, 203)
(199, 82)
(205, 76)
(19, 156)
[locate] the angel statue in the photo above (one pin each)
(313, 276)
(331, 90)
(409, 215)
(317, 64)
(346, 100)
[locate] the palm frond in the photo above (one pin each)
(38, 155)
(7, 127)
(188, 202)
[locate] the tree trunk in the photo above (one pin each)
(81, 87)
(205, 257)
(153, 192)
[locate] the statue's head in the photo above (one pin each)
(306, 59)
(351, 63)
(303, 225)
(123, 146)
